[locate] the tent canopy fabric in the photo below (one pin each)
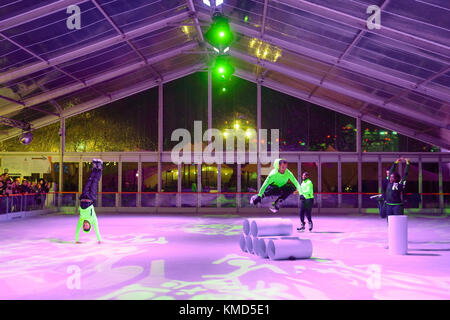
(396, 77)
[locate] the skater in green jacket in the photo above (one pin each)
(277, 184)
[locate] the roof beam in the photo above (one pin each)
(101, 101)
(37, 13)
(128, 41)
(359, 23)
(303, 95)
(419, 84)
(14, 123)
(66, 57)
(264, 18)
(95, 80)
(339, 89)
(356, 39)
(355, 68)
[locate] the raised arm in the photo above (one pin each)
(394, 166)
(97, 231)
(405, 175)
(77, 233)
(265, 185)
(295, 182)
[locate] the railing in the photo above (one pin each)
(241, 200)
(26, 202)
(361, 201)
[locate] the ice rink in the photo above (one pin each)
(155, 256)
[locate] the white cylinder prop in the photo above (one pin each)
(242, 243)
(398, 234)
(271, 227)
(289, 248)
(249, 243)
(246, 227)
(255, 245)
(262, 246)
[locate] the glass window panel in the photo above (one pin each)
(71, 170)
(349, 185)
(329, 185)
(129, 184)
(209, 178)
(182, 107)
(169, 177)
(430, 185)
(446, 183)
(106, 128)
(110, 180)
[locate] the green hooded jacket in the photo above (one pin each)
(279, 179)
(89, 215)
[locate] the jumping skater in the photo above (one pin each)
(276, 184)
(307, 201)
(88, 217)
(394, 190)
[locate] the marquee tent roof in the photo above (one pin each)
(396, 77)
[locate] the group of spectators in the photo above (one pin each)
(21, 194)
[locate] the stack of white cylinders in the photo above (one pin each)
(270, 238)
(398, 234)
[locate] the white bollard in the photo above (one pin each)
(242, 243)
(271, 227)
(398, 234)
(289, 248)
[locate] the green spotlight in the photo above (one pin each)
(223, 68)
(219, 34)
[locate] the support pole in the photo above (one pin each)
(119, 183)
(258, 128)
(420, 178)
(62, 148)
(339, 181)
(139, 183)
(160, 138)
(359, 151)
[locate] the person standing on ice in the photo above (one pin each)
(276, 184)
(88, 217)
(307, 201)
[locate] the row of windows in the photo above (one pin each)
(131, 124)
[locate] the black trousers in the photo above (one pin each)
(91, 187)
(282, 192)
(305, 209)
(394, 210)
